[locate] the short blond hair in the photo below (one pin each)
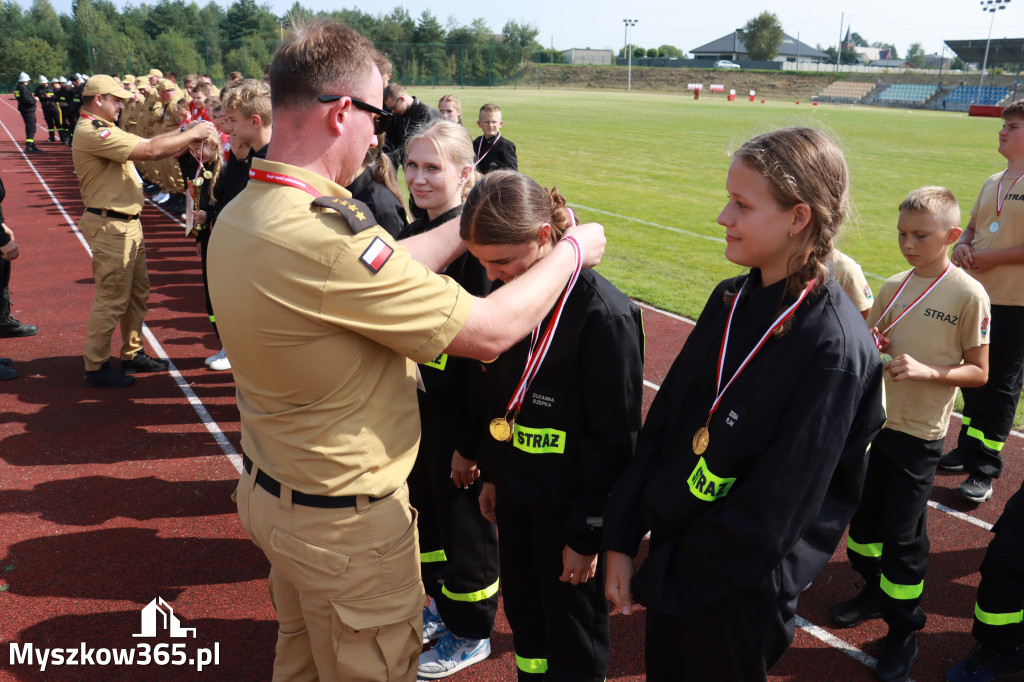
(489, 109)
(937, 202)
(250, 98)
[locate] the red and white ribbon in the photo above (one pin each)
(903, 285)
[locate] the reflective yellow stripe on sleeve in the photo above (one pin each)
(432, 557)
(998, 618)
(535, 666)
(479, 595)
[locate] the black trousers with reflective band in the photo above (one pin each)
(892, 511)
(1001, 592)
(990, 409)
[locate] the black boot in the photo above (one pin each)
(899, 654)
(866, 605)
(10, 327)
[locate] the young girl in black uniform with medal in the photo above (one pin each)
(458, 547)
(752, 458)
(560, 413)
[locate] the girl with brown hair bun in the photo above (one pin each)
(753, 454)
(558, 418)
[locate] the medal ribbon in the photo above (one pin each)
(786, 314)
(910, 307)
(496, 142)
(538, 351)
(999, 192)
(286, 180)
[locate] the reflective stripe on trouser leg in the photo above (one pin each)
(425, 557)
(998, 618)
(902, 592)
(977, 434)
(532, 666)
(872, 550)
(478, 595)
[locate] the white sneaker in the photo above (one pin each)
(161, 198)
(451, 655)
(220, 364)
(433, 624)
(216, 356)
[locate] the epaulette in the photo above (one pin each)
(355, 212)
(98, 124)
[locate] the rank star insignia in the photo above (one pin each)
(360, 215)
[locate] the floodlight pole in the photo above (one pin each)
(989, 6)
(629, 23)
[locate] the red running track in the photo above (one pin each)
(110, 499)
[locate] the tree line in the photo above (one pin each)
(188, 38)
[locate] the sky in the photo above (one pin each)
(598, 24)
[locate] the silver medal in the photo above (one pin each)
(994, 227)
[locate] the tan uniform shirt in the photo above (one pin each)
(1004, 283)
(955, 316)
(322, 347)
(105, 175)
(851, 278)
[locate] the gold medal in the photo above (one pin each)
(501, 429)
(207, 174)
(701, 440)
(197, 182)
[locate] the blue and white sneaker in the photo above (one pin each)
(451, 655)
(433, 625)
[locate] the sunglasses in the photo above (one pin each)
(381, 118)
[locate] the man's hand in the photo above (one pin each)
(577, 568)
(9, 251)
(488, 502)
(199, 130)
(464, 471)
(618, 576)
(590, 237)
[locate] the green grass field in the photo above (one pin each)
(660, 160)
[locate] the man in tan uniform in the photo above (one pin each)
(323, 316)
(112, 193)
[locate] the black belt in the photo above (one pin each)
(273, 487)
(106, 212)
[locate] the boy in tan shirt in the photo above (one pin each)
(932, 325)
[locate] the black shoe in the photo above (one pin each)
(899, 654)
(952, 460)
(985, 663)
(865, 606)
(7, 372)
(51, 139)
(143, 363)
(67, 143)
(6, 362)
(31, 149)
(977, 488)
(107, 377)
(149, 189)
(11, 328)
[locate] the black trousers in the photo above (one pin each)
(736, 639)
(203, 239)
(559, 630)
(52, 115)
(888, 541)
(1000, 606)
(989, 410)
(29, 117)
(458, 546)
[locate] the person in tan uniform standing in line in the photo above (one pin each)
(112, 194)
(323, 316)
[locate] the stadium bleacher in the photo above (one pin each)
(907, 93)
(964, 96)
(845, 91)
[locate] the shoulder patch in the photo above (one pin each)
(105, 133)
(376, 255)
(356, 213)
(96, 123)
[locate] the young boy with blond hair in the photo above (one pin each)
(493, 152)
(991, 250)
(931, 324)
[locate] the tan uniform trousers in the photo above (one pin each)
(345, 583)
(122, 286)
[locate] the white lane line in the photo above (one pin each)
(836, 643)
(197, 404)
(960, 515)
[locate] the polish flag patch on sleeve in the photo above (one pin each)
(104, 134)
(376, 255)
